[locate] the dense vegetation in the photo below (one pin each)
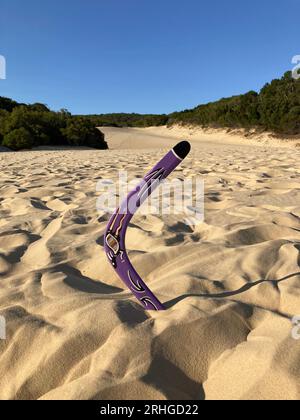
(276, 108)
(128, 120)
(26, 126)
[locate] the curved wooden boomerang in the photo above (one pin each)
(117, 226)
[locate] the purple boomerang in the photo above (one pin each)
(115, 234)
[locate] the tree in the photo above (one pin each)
(3, 116)
(18, 139)
(81, 132)
(7, 104)
(38, 107)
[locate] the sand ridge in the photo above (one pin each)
(231, 284)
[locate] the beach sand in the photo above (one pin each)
(231, 284)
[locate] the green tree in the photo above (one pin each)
(18, 139)
(7, 104)
(38, 107)
(3, 116)
(80, 131)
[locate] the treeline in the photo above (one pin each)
(128, 120)
(27, 126)
(275, 108)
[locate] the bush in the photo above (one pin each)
(18, 139)
(47, 128)
(3, 116)
(81, 132)
(44, 126)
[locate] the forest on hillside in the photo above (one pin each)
(275, 108)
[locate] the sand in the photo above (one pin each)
(231, 284)
(141, 138)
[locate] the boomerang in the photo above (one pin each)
(116, 230)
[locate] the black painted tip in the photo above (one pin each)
(182, 149)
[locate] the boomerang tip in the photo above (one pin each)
(182, 149)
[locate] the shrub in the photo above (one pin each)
(18, 139)
(47, 128)
(79, 131)
(3, 116)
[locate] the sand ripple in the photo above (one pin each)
(232, 284)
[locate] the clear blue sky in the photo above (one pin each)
(148, 56)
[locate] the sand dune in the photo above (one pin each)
(147, 138)
(231, 284)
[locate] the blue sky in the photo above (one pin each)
(147, 56)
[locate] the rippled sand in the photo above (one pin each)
(232, 283)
